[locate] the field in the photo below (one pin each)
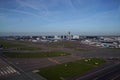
(81, 50)
(70, 69)
(56, 60)
(35, 55)
(10, 44)
(65, 44)
(18, 45)
(28, 48)
(24, 45)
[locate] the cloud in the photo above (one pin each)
(26, 4)
(35, 5)
(24, 12)
(47, 6)
(19, 11)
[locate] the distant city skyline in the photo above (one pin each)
(57, 34)
(87, 17)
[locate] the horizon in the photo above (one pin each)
(85, 17)
(55, 33)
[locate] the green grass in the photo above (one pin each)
(35, 55)
(29, 48)
(68, 44)
(93, 61)
(80, 49)
(113, 49)
(63, 44)
(10, 44)
(70, 69)
(18, 45)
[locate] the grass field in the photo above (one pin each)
(35, 55)
(29, 48)
(10, 44)
(80, 49)
(112, 49)
(70, 69)
(63, 44)
(18, 45)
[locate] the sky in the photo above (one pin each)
(60, 16)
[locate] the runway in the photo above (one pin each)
(111, 72)
(10, 72)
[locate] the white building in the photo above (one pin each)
(34, 40)
(57, 37)
(75, 37)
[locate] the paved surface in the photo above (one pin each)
(9, 71)
(107, 72)
(6, 70)
(29, 64)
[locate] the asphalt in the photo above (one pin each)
(111, 72)
(30, 64)
(9, 71)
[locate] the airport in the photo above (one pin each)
(59, 39)
(23, 58)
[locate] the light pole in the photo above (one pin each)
(69, 35)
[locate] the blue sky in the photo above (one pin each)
(77, 16)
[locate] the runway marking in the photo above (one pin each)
(53, 60)
(3, 70)
(9, 68)
(7, 71)
(1, 73)
(12, 69)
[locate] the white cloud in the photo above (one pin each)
(26, 4)
(18, 11)
(34, 4)
(43, 6)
